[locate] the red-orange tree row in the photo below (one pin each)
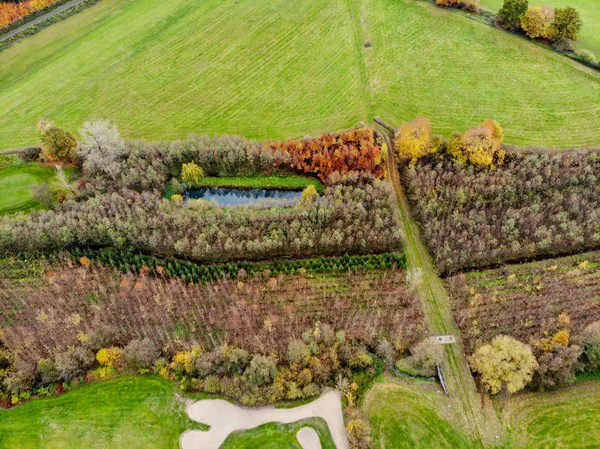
(11, 12)
(353, 150)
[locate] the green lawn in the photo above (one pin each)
(566, 418)
(128, 412)
(278, 436)
(589, 10)
(262, 182)
(408, 414)
(16, 182)
(275, 69)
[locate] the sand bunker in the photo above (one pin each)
(225, 418)
(308, 438)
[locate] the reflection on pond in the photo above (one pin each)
(227, 197)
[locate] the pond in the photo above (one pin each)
(228, 197)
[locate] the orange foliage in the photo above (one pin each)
(11, 12)
(354, 150)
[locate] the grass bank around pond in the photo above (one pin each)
(126, 412)
(278, 436)
(16, 181)
(291, 182)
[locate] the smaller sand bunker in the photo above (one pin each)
(308, 438)
(225, 418)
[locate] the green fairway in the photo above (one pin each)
(589, 10)
(409, 415)
(278, 436)
(262, 182)
(276, 69)
(16, 182)
(128, 412)
(566, 418)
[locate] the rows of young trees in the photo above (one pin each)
(550, 310)
(354, 215)
(484, 204)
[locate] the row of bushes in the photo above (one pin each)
(175, 269)
(507, 365)
(532, 203)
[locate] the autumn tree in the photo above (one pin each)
(192, 174)
(427, 354)
(512, 13)
(505, 364)
(415, 140)
(557, 366)
(57, 144)
(567, 23)
(101, 147)
(480, 147)
(537, 22)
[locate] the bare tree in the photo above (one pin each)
(101, 147)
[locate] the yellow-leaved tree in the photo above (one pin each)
(537, 22)
(415, 140)
(505, 364)
(481, 146)
(191, 174)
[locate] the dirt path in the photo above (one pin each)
(225, 418)
(39, 19)
(479, 417)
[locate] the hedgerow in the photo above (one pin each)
(193, 273)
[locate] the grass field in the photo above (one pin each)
(131, 412)
(275, 69)
(566, 418)
(408, 414)
(589, 10)
(16, 182)
(262, 182)
(278, 436)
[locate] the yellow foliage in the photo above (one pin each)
(191, 174)
(504, 363)
(109, 357)
(85, 261)
(561, 338)
(309, 195)
(177, 199)
(481, 146)
(415, 140)
(537, 22)
(564, 319)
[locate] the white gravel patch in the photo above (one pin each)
(309, 438)
(225, 418)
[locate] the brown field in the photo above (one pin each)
(527, 301)
(63, 306)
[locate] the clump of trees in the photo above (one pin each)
(57, 144)
(415, 140)
(560, 25)
(345, 152)
(480, 147)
